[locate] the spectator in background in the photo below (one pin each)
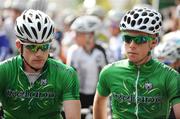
(13, 9)
(115, 51)
(86, 57)
(68, 35)
(102, 35)
(168, 52)
(171, 18)
(5, 49)
(177, 20)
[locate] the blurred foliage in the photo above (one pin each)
(166, 3)
(104, 3)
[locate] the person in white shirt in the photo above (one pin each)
(86, 57)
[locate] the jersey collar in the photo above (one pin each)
(147, 67)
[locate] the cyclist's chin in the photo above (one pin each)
(133, 59)
(38, 64)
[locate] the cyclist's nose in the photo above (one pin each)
(39, 52)
(132, 44)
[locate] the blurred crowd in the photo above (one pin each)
(88, 43)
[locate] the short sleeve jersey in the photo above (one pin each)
(144, 92)
(44, 99)
(88, 66)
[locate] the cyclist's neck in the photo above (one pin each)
(28, 68)
(142, 61)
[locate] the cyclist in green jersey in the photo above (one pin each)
(33, 86)
(140, 87)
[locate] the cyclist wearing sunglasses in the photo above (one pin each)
(32, 85)
(140, 87)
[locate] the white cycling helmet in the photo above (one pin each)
(34, 26)
(115, 15)
(86, 24)
(142, 19)
(96, 11)
(68, 20)
(169, 49)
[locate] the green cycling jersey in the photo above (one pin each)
(43, 99)
(140, 92)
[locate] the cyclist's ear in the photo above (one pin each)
(153, 44)
(18, 45)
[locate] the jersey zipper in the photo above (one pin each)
(136, 93)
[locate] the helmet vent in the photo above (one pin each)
(157, 18)
(39, 26)
(132, 13)
(133, 23)
(155, 13)
(91, 24)
(44, 31)
(139, 21)
(144, 14)
(160, 23)
(146, 20)
(157, 26)
(123, 25)
(37, 17)
(129, 20)
(19, 31)
(143, 27)
(153, 22)
(151, 14)
(136, 16)
(29, 20)
(125, 18)
(140, 10)
(45, 20)
(50, 31)
(151, 28)
(34, 31)
(24, 17)
(26, 30)
(30, 14)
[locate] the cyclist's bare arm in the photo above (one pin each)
(176, 108)
(100, 107)
(72, 109)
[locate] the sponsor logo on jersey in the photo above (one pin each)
(29, 94)
(148, 86)
(44, 82)
(140, 99)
